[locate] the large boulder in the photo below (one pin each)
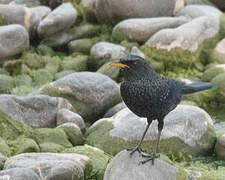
(141, 29)
(58, 20)
(49, 165)
(114, 11)
(28, 17)
(91, 94)
(187, 130)
(125, 167)
(18, 41)
(37, 111)
(183, 45)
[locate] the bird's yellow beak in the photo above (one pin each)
(120, 65)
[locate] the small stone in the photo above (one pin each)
(80, 45)
(67, 116)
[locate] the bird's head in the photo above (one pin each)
(133, 67)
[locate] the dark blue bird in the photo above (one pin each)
(150, 95)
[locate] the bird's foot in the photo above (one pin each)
(137, 148)
(150, 157)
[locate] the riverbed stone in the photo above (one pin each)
(115, 109)
(27, 17)
(18, 41)
(80, 45)
(141, 29)
(124, 167)
(220, 147)
(35, 110)
(67, 116)
(113, 11)
(58, 20)
(91, 94)
(51, 165)
(98, 158)
(213, 71)
(188, 130)
(27, 3)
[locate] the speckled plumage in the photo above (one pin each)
(150, 95)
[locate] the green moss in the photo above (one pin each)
(32, 60)
(6, 83)
(13, 66)
(128, 45)
(4, 148)
(23, 90)
(2, 21)
(82, 46)
(63, 73)
(98, 158)
(219, 86)
(118, 35)
(24, 145)
(22, 80)
(222, 26)
(181, 174)
(3, 71)
(74, 134)
(41, 76)
(25, 69)
(11, 129)
(53, 65)
(49, 135)
(95, 63)
(78, 63)
(212, 72)
(110, 71)
(44, 50)
(51, 147)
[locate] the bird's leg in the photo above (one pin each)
(154, 155)
(138, 147)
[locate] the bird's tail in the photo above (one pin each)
(195, 87)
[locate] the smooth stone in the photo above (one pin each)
(115, 109)
(137, 52)
(218, 54)
(188, 36)
(80, 45)
(27, 3)
(187, 129)
(91, 94)
(58, 20)
(67, 116)
(18, 41)
(108, 50)
(35, 110)
(50, 166)
(141, 29)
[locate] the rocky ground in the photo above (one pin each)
(61, 114)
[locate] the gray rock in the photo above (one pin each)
(114, 11)
(27, 3)
(187, 129)
(141, 29)
(19, 174)
(115, 109)
(125, 167)
(220, 147)
(89, 8)
(57, 40)
(37, 110)
(137, 52)
(58, 20)
(28, 17)
(218, 54)
(187, 37)
(91, 94)
(50, 166)
(18, 41)
(80, 45)
(5, 1)
(196, 2)
(107, 50)
(66, 116)
(195, 11)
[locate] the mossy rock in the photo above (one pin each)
(98, 158)
(49, 135)
(6, 83)
(220, 147)
(44, 50)
(41, 77)
(24, 145)
(11, 129)
(22, 80)
(73, 133)
(4, 148)
(33, 60)
(219, 86)
(77, 64)
(212, 72)
(23, 90)
(63, 73)
(3, 71)
(110, 71)
(53, 64)
(51, 147)
(81, 45)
